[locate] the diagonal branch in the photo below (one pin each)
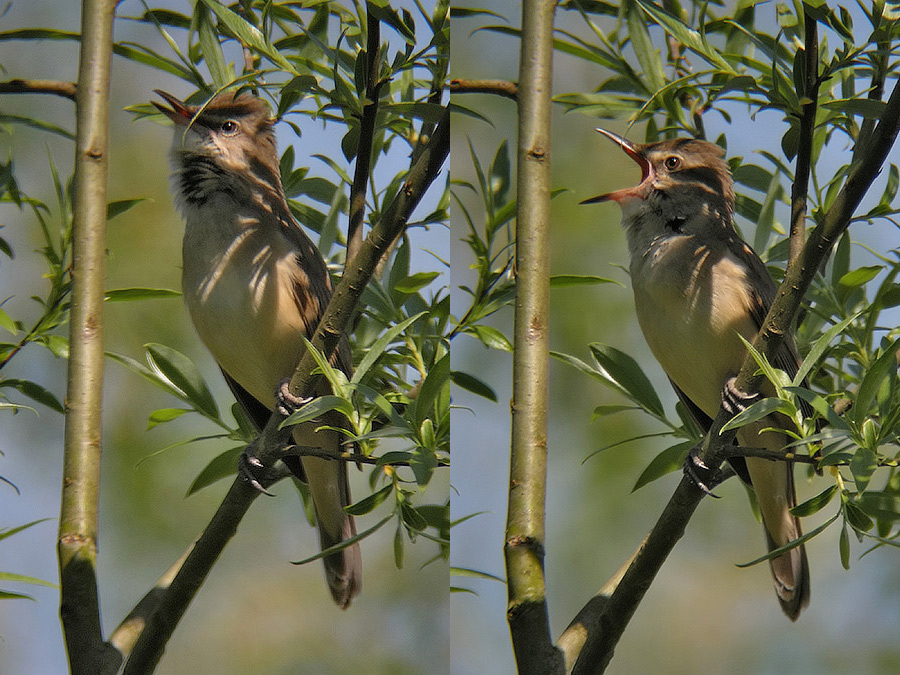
(142, 637)
(604, 625)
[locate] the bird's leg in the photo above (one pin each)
(250, 467)
(734, 400)
(285, 402)
(700, 474)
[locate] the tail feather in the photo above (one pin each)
(773, 483)
(343, 570)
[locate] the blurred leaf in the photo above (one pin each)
(860, 276)
(121, 206)
(416, 282)
(249, 35)
(130, 294)
(815, 504)
(181, 372)
(472, 384)
(370, 503)
(669, 460)
(565, 280)
(35, 392)
(626, 372)
(222, 466)
(884, 365)
(491, 337)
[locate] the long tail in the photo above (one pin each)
(330, 493)
(773, 483)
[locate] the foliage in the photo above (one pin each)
(311, 61)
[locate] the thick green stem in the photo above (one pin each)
(527, 604)
(77, 545)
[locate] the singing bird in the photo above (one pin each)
(254, 283)
(698, 286)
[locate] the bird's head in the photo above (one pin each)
(682, 173)
(228, 144)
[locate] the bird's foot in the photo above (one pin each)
(734, 400)
(701, 475)
(285, 402)
(252, 469)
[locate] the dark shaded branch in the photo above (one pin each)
(77, 545)
(366, 135)
(604, 631)
(498, 87)
(150, 625)
(18, 86)
(800, 189)
(524, 551)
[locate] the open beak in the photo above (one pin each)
(180, 112)
(636, 153)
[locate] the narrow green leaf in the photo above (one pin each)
(163, 415)
(669, 460)
(375, 351)
(370, 503)
(687, 36)
(250, 35)
(415, 282)
(210, 47)
(774, 553)
(626, 372)
(491, 337)
(884, 365)
(129, 294)
(432, 387)
(345, 543)
(121, 206)
(756, 412)
(817, 503)
(35, 392)
(221, 466)
(15, 530)
(565, 280)
(181, 372)
(860, 276)
(472, 384)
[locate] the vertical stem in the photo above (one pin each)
(366, 135)
(527, 607)
(800, 188)
(77, 546)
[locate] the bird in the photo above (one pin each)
(254, 284)
(697, 287)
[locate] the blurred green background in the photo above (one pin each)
(257, 613)
(702, 614)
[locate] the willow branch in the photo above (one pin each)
(605, 627)
(498, 87)
(77, 546)
(366, 135)
(57, 88)
(800, 188)
(524, 551)
(150, 625)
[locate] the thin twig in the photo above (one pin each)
(499, 87)
(800, 188)
(366, 135)
(57, 88)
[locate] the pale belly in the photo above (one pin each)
(692, 327)
(241, 302)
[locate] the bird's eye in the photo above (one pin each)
(229, 127)
(672, 163)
